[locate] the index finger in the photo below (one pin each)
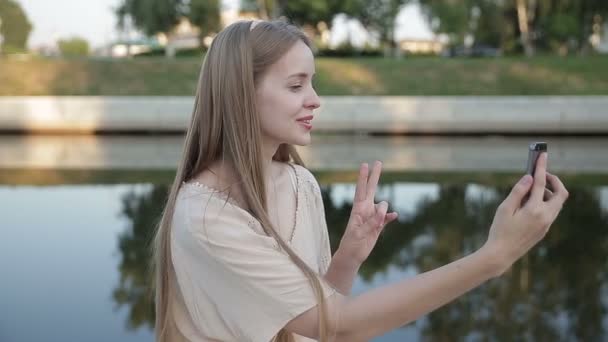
(373, 180)
(538, 189)
(560, 194)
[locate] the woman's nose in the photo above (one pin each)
(314, 101)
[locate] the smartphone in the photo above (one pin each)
(534, 151)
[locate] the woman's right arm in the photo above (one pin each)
(386, 308)
(514, 231)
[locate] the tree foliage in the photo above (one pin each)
(156, 16)
(15, 27)
(379, 16)
(151, 16)
(302, 12)
(73, 47)
(205, 14)
(518, 25)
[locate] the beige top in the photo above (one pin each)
(234, 283)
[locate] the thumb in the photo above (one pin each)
(519, 191)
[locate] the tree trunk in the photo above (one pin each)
(262, 11)
(524, 27)
(279, 8)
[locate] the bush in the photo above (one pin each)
(73, 47)
(160, 52)
(346, 49)
(154, 52)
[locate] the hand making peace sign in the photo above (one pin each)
(367, 219)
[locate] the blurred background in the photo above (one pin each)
(95, 97)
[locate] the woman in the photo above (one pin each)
(242, 250)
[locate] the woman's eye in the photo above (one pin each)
(295, 87)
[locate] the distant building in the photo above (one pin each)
(128, 47)
(421, 46)
(184, 36)
(413, 33)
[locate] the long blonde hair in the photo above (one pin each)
(225, 126)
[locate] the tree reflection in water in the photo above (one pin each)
(553, 294)
(134, 290)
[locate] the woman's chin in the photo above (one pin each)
(302, 140)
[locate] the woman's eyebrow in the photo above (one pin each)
(299, 75)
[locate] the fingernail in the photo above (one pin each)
(527, 179)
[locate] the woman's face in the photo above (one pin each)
(286, 98)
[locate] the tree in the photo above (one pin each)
(300, 12)
(561, 24)
(451, 17)
(134, 289)
(151, 16)
(162, 16)
(379, 16)
(206, 15)
(484, 20)
(523, 10)
(14, 27)
(492, 26)
(519, 25)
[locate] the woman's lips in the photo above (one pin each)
(306, 121)
(306, 124)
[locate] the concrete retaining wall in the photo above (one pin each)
(433, 114)
(326, 153)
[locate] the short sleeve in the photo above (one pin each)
(319, 217)
(254, 285)
(325, 243)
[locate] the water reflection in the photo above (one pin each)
(556, 293)
(134, 290)
(327, 152)
(59, 257)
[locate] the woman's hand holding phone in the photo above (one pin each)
(516, 228)
(534, 151)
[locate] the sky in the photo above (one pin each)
(95, 21)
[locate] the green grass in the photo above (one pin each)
(543, 75)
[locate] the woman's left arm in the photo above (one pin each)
(342, 272)
(359, 237)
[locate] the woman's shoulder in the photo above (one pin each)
(203, 212)
(201, 202)
(303, 172)
(307, 178)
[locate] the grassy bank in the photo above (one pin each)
(353, 76)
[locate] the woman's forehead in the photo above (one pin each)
(297, 62)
